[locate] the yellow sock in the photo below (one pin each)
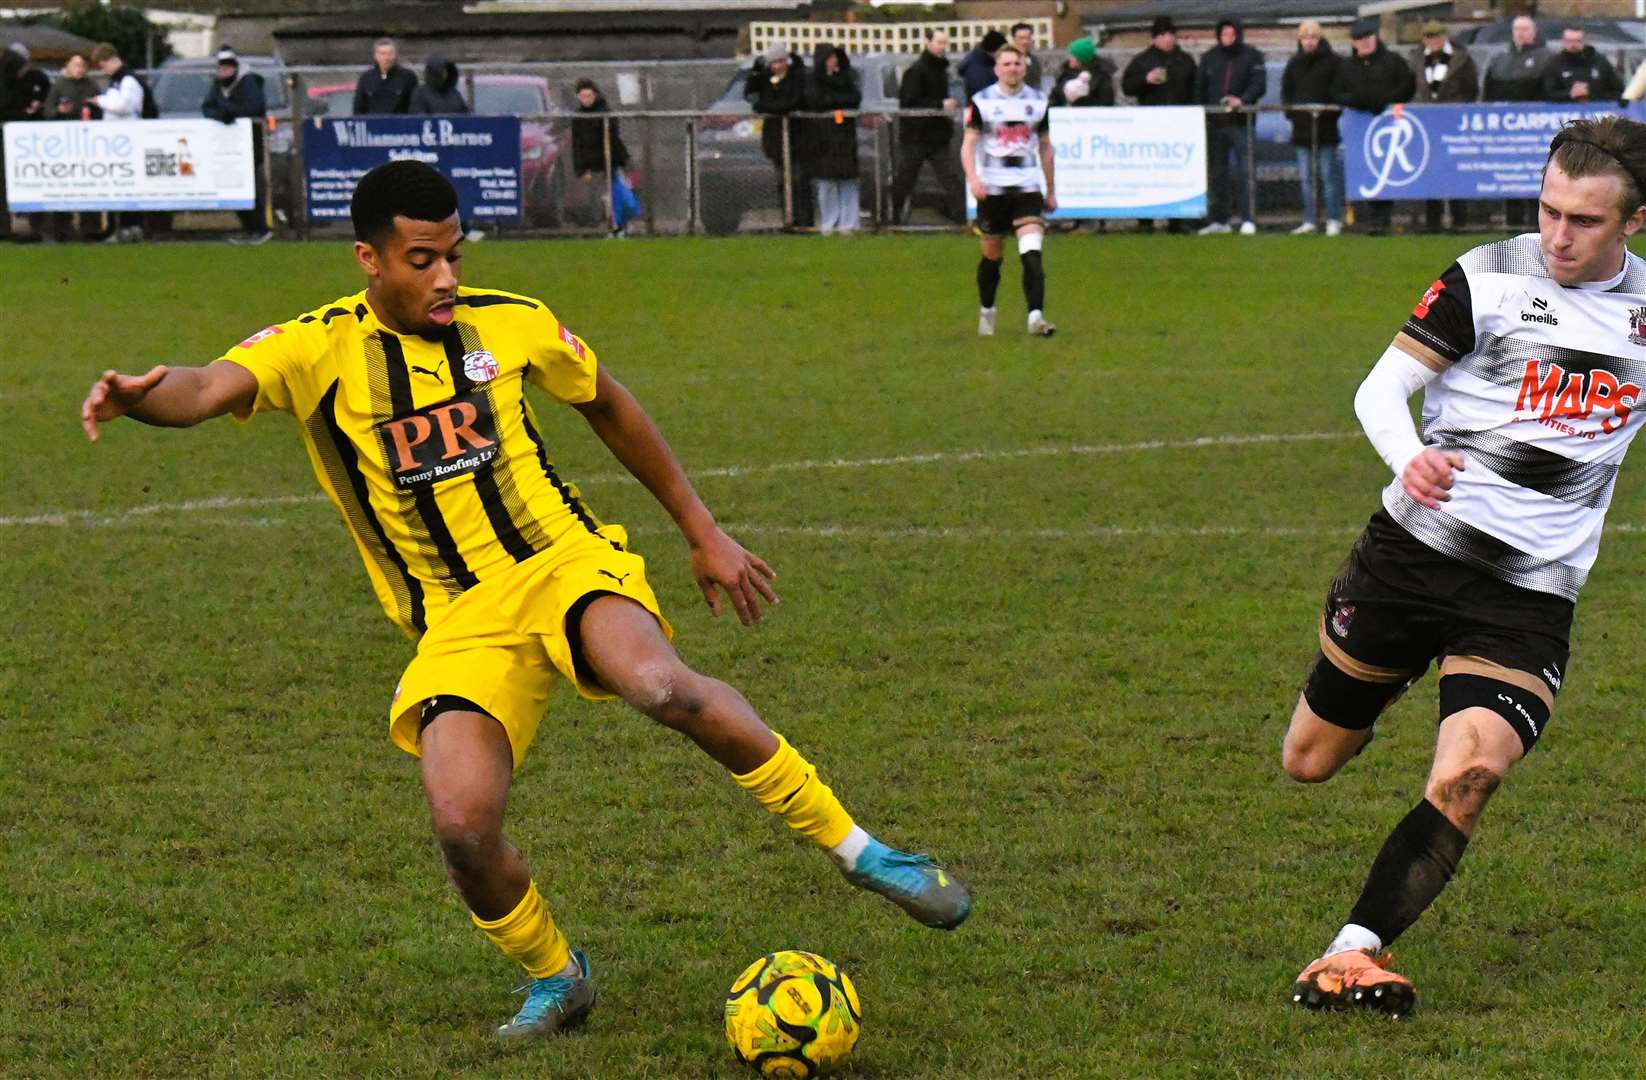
(788, 786)
(528, 936)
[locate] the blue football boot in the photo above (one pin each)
(929, 893)
(557, 1003)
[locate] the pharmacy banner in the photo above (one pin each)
(1453, 151)
(130, 165)
(479, 154)
(1130, 162)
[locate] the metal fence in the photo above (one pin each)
(698, 171)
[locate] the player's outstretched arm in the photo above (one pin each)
(168, 396)
(718, 561)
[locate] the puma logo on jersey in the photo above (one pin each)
(1559, 394)
(620, 579)
(435, 374)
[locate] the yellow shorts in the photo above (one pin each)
(501, 643)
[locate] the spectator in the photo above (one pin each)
(1517, 75)
(592, 133)
(233, 94)
(1231, 76)
(977, 67)
(1085, 79)
(776, 88)
(17, 103)
(1308, 80)
(29, 87)
(70, 98)
(920, 139)
(1369, 80)
(1162, 74)
(1578, 73)
(1023, 38)
(127, 98)
(1446, 74)
(438, 95)
(385, 87)
(831, 143)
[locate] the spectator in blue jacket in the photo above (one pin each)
(233, 94)
(976, 68)
(1230, 76)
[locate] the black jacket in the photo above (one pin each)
(1373, 83)
(925, 86)
(589, 139)
(439, 93)
(1178, 89)
(240, 96)
(1308, 80)
(771, 99)
(1588, 66)
(1462, 81)
(1516, 75)
(23, 89)
(1235, 70)
(1102, 80)
(831, 147)
(376, 94)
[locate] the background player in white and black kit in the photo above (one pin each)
(1001, 154)
(1532, 353)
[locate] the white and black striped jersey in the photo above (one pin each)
(1538, 389)
(1010, 127)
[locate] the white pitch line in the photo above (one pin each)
(1090, 532)
(105, 518)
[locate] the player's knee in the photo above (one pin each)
(1028, 243)
(671, 694)
(1307, 764)
(467, 839)
(1462, 793)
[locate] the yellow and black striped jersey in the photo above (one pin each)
(428, 446)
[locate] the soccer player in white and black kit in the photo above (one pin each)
(1532, 354)
(1001, 154)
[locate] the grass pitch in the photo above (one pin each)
(1046, 606)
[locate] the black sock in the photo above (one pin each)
(1034, 281)
(1416, 862)
(988, 280)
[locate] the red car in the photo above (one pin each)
(545, 145)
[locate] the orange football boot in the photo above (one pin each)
(1355, 978)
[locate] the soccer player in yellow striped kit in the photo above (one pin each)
(411, 398)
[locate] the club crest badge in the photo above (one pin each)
(480, 366)
(1341, 619)
(1637, 326)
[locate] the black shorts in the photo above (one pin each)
(1001, 215)
(1398, 604)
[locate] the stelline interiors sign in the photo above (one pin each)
(130, 165)
(479, 154)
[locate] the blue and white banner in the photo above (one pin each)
(479, 154)
(72, 165)
(1453, 151)
(1130, 162)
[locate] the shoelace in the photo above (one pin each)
(541, 996)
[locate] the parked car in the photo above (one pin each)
(735, 178)
(545, 145)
